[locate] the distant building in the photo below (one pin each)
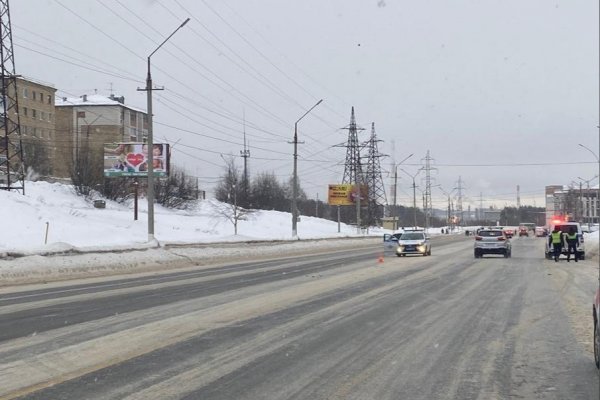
(575, 203)
(37, 122)
(85, 123)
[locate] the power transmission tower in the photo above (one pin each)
(353, 174)
(459, 205)
(374, 180)
(245, 155)
(427, 202)
(12, 167)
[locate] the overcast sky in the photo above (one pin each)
(475, 82)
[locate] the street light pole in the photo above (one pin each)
(395, 213)
(587, 208)
(150, 161)
(598, 191)
(295, 176)
(414, 186)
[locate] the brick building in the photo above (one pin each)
(37, 121)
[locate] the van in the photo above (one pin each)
(565, 227)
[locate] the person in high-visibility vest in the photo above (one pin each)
(556, 241)
(572, 242)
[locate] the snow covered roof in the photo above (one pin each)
(94, 100)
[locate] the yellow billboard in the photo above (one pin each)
(345, 194)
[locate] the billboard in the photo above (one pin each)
(131, 159)
(345, 194)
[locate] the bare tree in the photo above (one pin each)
(232, 212)
(175, 191)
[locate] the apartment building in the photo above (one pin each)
(573, 202)
(37, 122)
(85, 123)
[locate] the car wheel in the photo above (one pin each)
(596, 345)
(582, 256)
(506, 254)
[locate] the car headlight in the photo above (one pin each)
(400, 249)
(421, 248)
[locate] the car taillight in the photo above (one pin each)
(478, 238)
(502, 239)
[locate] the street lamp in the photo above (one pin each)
(395, 216)
(587, 208)
(414, 186)
(598, 191)
(150, 162)
(295, 176)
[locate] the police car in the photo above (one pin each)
(565, 227)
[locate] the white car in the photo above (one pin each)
(413, 243)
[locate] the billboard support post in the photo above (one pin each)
(135, 200)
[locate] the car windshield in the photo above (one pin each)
(566, 228)
(412, 236)
(490, 233)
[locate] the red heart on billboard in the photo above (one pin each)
(135, 159)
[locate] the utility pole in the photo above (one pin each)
(245, 155)
(317, 206)
(518, 196)
(150, 162)
(295, 175)
(427, 204)
(459, 204)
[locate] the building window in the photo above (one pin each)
(23, 130)
(25, 93)
(49, 99)
(33, 113)
(25, 111)
(49, 117)
(35, 131)
(41, 97)
(132, 119)
(43, 115)
(33, 95)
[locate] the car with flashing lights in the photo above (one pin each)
(523, 231)
(413, 243)
(492, 241)
(565, 227)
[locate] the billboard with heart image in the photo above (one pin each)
(131, 159)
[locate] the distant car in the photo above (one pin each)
(565, 227)
(596, 315)
(492, 241)
(523, 231)
(541, 231)
(413, 243)
(509, 232)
